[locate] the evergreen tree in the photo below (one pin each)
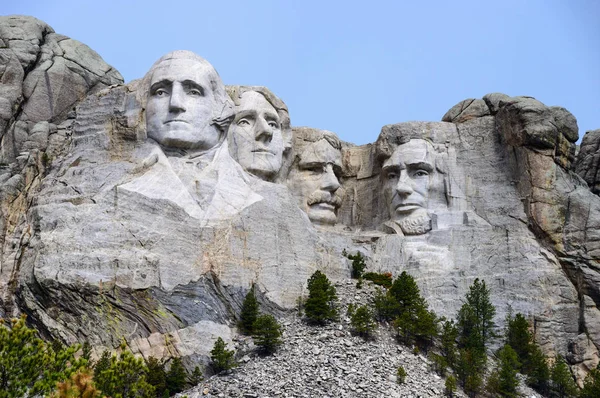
(537, 370)
(406, 293)
(320, 304)
(508, 364)
(414, 322)
(86, 351)
(249, 312)
(475, 318)
(519, 338)
(125, 377)
(157, 376)
(448, 341)
(196, 377)
(221, 358)
(102, 364)
(176, 376)
(267, 333)
(469, 367)
(362, 321)
(358, 264)
(450, 386)
(80, 385)
(386, 308)
(563, 384)
(591, 384)
(28, 365)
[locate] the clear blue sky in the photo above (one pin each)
(352, 67)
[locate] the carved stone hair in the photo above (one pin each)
(304, 136)
(223, 108)
(236, 92)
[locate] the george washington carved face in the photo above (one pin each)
(185, 98)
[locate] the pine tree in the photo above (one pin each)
(538, 372)
(591, 384)
(563, 384)
(414, 322)
(320, 304)
(196, 377)
(475, 318)
(102, 364)
(450, 386)
(267, 333)
(125, 377)
(469, 367)
(80, 385)
(358, 264)
(157, 377)
(249, 312)
(363, 322)
(221, 358)
(508, 364)
(406, 292)
(28, 365)
(519, 338)
(176, 376)
(86, 351)
(448, 341)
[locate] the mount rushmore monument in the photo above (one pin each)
(145, 211)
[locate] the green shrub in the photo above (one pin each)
(384, 279)
(401, 375)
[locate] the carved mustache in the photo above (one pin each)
(324, 197)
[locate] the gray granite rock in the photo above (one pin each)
(588, 159)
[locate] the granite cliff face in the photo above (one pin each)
(146, 211)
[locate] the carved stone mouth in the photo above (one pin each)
(407, 207)
(177, 121)
(261, 150)
(325, 206)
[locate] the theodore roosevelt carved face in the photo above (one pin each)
(314, 179)
(410, 181)
(187, 106)
(256, 135)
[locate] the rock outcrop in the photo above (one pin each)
(149, 211)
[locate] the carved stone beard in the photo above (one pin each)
(418, 224)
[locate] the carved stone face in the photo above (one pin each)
(410, 180)
(315, 182)
(255, 138)
(180, 105)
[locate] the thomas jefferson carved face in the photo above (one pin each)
(255, 137)
(181, 103)
(315, 181)
(410, 180)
